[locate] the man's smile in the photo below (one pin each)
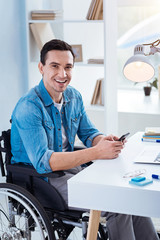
(59, 81)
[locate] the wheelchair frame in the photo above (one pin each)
(48, 216)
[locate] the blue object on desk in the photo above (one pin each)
(155, 176)
(138, 179)
(142, 183)
(150, 140)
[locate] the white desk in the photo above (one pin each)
(102, 187)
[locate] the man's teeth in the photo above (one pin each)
(61, 81)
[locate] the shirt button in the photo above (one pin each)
(56, 112)
(59, 129)
(71, 142)
(59, 145)
(62, 112)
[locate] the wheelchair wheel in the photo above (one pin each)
(21, 215)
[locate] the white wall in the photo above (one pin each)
(13, 64)
(14, 68)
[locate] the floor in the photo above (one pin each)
(76, 234)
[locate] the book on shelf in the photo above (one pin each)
(95, 61)
(90, 10)
(95, 11)
(45, 14)
(98, 97)
(42, 33)
(99, 11)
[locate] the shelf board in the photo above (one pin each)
(82, 21)
(85, 64)
(66, 21)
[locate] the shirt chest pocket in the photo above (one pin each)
(48, 125)
(75, 124)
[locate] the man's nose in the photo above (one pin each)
(62, 73)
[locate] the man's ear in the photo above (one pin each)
(40, 66)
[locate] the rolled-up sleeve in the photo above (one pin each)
(44, 162)
(90, 139)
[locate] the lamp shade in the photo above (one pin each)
(138, 69)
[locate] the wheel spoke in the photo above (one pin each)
(21, 216)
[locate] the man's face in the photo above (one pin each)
(57, 71)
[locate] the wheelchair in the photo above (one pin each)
(30, 208)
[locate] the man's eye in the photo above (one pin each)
(69, 67)
(55, 66)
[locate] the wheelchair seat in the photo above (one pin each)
(24, 179)
(27, 177)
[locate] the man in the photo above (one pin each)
(44, 125)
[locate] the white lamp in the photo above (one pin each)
(138, 68)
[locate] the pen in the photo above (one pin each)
(155, 176)
(150, 140)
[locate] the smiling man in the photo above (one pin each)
(57, 72)
(44, 124)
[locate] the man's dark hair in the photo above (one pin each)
(54, 44)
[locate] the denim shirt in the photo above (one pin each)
(36, 126)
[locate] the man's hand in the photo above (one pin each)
(109, 147)
(112, 138)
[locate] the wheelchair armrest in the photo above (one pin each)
(76, 148)
(30, 171)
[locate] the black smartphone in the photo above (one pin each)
(123, 137)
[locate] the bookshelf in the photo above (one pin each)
(86, 32)
(67, 21)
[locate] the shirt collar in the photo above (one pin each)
(47, 98)
(65, 98)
